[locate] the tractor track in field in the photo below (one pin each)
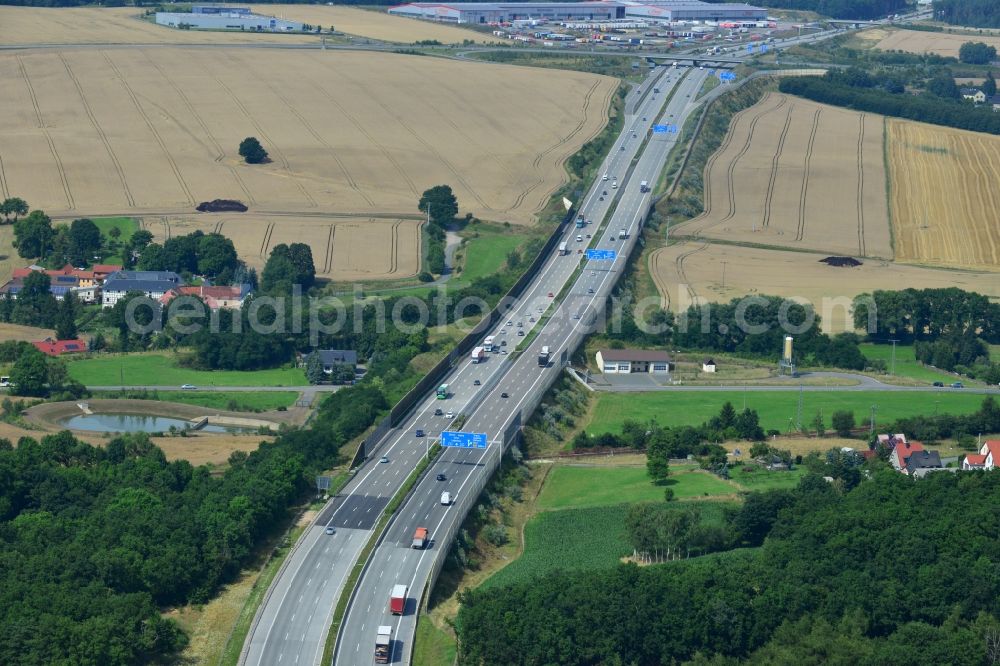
(152, 128)
(100, 131)
(766, 221)
(71, 204)
(861, 186)
(804, 192)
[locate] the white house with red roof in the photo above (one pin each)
(988, 457)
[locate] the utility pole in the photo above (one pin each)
(892, 370)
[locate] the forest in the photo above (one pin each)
(95, 542)
(893, 570)
(969, 13)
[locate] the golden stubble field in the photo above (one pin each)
(344, 249)
(693, 272)
(123, 25)
(945, 201)
(793, 173)
(151, 132)
(914, 41)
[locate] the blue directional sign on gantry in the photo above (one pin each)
(463, 440)
(601, 255)
(661, 129)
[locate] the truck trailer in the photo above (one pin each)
(581, 221)
(397, 601)
(420, 538)
(382, 640)
(644, 186)
(563, 249)
(488, 343)
(622, 234)
(478, 355)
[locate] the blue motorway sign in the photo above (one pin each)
(601, 255)
(763, 48)
(463, 440)
(661, 129)
(749, 48)
(727, 76)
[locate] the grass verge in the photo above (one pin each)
(433, 646)
(576, 487)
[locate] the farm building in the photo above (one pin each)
(221, 17)
(625, 361)
(500, 12)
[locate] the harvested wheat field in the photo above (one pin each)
(374, 24)
(914, 41)
(25, 333)
(691, 270)
(155, 131)
(118, 25)
(945, 202)
(794, 173)
(344, 249)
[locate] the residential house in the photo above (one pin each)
(708, 365)
(975, 94)
(331, 357)
(60, 347)
(625, 361)
(154, 284)
(901, 453)
(214, 297)
(974, 461)
(918, 463)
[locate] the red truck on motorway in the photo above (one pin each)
(397, 602)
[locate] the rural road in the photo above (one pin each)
(174, 387)
(632, 384)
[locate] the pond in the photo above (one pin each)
(137, 423)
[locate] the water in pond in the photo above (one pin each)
(135, 423)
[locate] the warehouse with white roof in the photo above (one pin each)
(488, 13)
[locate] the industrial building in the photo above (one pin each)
(657, 10)
(507, 12)
(222, 17)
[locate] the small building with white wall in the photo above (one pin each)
(626, 361)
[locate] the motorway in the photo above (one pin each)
(291, 625)
(523, 381)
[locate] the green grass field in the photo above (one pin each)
(906, 362)
(158, 369)
(761, 479)
(574, 539)
(486, 254)
(678, 408)
(243, 401)
(576, 487)
(126, 225)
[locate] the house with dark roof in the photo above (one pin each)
(920, 463)
(708, 365)
(153, 284)
(901, 453)
(331, 357)
(60, 347)
(975, 94)
(625, 361)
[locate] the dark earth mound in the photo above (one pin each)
(843, 262)
(222, 206)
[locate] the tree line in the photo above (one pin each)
(934, 109)
(971, 13)
(863, 574)
(840, 9)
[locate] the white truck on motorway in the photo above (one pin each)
(478, 355)
(644, 186)
(563, 249)
(382, 640)
(488, 343)
(622, 234)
